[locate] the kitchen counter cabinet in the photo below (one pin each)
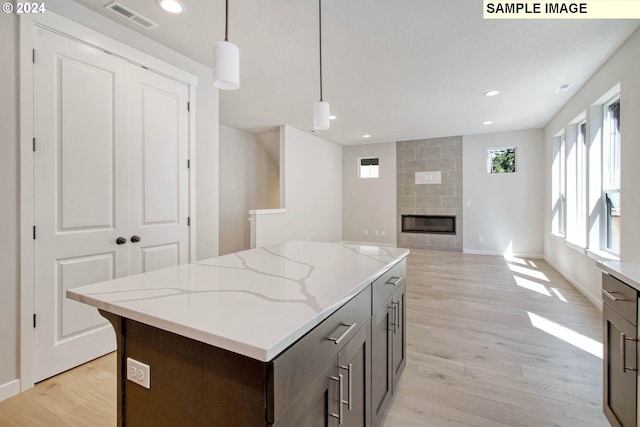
(299, 354)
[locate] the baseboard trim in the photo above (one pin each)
(594, 300)
(503, 254)
(9, 389)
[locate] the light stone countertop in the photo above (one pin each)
(628, 272)
(255, 303)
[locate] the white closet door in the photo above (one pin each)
(80, 196)
(159, 177)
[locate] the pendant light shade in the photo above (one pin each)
(321, 115)
(226, 66)
(320, 108)
(226, 59)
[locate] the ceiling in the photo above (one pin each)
(397, 70)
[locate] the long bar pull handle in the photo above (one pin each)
(396, 316)
(612, 297)
(344, 334)
(623, 356)
(392, 322)
(340, 414)
(349, 369)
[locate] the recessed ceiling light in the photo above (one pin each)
(332, 117)
(492, 93)
(562, 88)
(366, 136)
(171, 6)
(488, 122)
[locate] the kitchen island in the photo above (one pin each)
(281, 335)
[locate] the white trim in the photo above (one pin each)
(601, 256)
(9, 389)
(66, 27)
(557, 237)
(266, 211)
(594, 300)
(576, 247)
(503, 254)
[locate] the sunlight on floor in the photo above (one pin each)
(567, 335)
(559, 295)
(532, 286)
(528, 272)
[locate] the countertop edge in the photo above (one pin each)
(238, 347)
(624, 271)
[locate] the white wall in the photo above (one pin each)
(9, 192)
(505, 209)
(369, 204)
(249, 179)
(623, 67)
(311, 188)
(206, 136)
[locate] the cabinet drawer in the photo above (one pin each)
(621, 297)
(293, 370)
(386, 284)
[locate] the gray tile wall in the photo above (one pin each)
(421, 155)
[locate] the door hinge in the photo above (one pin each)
(34, 320)
(188, 221)
(33, 55)
(34, 143)
(188, 106)
(34, 232)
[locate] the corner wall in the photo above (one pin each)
(369, 204)
(311, 188)
(505, 210)
(249, 179)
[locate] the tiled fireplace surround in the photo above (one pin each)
(422, 155)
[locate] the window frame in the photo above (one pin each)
(371, 169)
(610, 165)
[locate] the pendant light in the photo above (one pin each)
(226, 59)
(320, 108)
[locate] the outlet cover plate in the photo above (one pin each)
(138, 373)
(429, 177)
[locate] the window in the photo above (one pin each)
(611, 176)
(369, 167)
(558, 201)
(501, 160)
(575, 146)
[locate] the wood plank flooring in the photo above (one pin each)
(474, 357)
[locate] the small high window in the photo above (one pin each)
(501, 160)
(369, 167)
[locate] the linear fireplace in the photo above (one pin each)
(432, 224)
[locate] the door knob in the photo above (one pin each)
(121, 241)
(135, 239)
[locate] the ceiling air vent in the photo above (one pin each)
(131, 15)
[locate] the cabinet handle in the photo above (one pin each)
(344, 334)
(623, 355)
(340, 414)
(392, 327)
(612, 297)
(349, 369)
(394, 281)
(397, 315)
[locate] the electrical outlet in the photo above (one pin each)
(138, 373)
(366, 232)
(377, 233)
(382, 232)
(480, 239)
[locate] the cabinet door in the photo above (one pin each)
(353, 363)
(381, 372)
(316, 405)
(399, 347)
(620, 387)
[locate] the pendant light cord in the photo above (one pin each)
(226, 20)
(320, 27)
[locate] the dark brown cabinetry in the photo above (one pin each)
(620, 333)
(388, 339)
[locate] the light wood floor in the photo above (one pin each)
(474, 357)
